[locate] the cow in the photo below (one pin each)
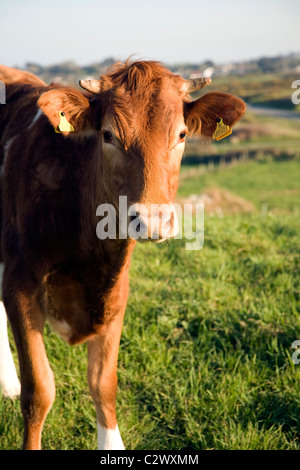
(123, 135)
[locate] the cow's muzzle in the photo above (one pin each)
(155, 222)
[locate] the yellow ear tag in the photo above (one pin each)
(64, 125)
(222, 130)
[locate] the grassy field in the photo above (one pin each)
(205, 359)
(270, 185)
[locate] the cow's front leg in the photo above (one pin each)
(37, 382)
(102, 378)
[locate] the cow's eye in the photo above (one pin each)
(182, 135)
(107, 136)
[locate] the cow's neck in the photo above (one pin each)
(96, 190)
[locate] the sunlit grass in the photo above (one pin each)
(275, 184)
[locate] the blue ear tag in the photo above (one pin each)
(64, 125)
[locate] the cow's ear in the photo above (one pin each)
(76, 108)
(201, 115)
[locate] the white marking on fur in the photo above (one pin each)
(9, 382)
(61, 327)
(36, 117)
(109, 439)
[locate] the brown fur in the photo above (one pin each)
(10, 75)
(55, 267)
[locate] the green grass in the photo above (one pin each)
(275, 184)
(205, 355)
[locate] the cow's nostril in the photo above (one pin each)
(133, 217)
(138, 225)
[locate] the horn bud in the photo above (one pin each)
(93, 86)
(197, 83)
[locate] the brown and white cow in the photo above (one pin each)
(128, 140)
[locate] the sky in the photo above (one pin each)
(172, 31)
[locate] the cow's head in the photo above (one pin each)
(140, 114)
